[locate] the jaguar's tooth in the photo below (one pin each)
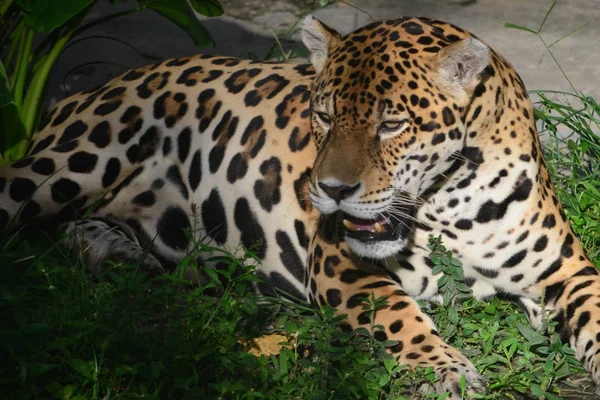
(349, 225)
(379, 228)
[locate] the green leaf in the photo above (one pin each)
(209, 8)
(490, 309)
(12, 131)
(35, 368)
(67, 392)
(453, 315)
(592, 190)
(5, 92)
(46, 15)
(83, 367)
(514, 26)
(539, 114)
(253, 395)
(389, 365)
(455, 262)
(383, 380)
(362, 331)
(182, 15)
(389, 343)
(125, 369)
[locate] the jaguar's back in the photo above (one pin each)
(200, 144)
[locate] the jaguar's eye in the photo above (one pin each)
(324, 117)
(391, 128)
(391, 125)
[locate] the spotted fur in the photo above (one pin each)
(415, 123)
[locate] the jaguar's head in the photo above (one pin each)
(388, 106)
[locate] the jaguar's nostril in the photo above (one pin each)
(339, 192)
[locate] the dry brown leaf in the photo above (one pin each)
(266, 345)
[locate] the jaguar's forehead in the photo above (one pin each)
(422, 34)
(365, 65)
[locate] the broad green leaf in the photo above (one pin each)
(67, 392)
(362, 331)
(83, 367)
(383, 380)
(125, 369)
(182, 15)
(453, 315)
(389, 343)
(35, 368)
(209, 8)
(45, 15)
(390, 365)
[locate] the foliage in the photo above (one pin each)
(497, 337)
(573, 155)
(24, 71)
(68, 335)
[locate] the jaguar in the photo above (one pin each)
(334, 172)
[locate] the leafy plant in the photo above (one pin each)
(451, 284)
(573, 155)
(25, 69)
(497, 337)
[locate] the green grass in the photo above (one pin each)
(574, 161)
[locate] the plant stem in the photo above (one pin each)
(558, 64)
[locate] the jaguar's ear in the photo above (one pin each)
(318, 39)
(460, 64)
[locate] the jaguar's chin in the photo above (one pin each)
(376, 249)
(381, 237)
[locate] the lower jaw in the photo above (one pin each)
(378, 249)
(372, 237)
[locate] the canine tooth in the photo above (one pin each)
(349, 225)
(379, 228)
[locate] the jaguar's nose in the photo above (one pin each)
(337, 190)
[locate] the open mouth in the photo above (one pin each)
(384, 227)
